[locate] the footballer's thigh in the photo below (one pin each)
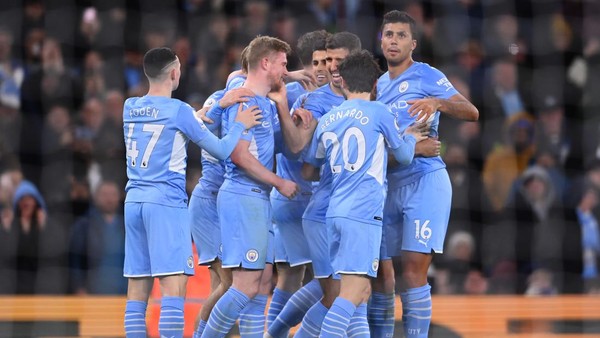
(426, 211)
(245, 228)
(287, 216)
(354, 246)
(318, 247)
(169, 239)
(206, 229)
(137, 255)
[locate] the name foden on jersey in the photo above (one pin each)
(144, 111)
(349, 113)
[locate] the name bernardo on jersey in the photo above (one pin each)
(144, 111)
(350, 113)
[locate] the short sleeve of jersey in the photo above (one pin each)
(436, 84)
(310, 102)
(236, 82)
(193, 128)
(294, 90)
(314, 105)
(389, 127)
(277, 133)
(215, 112)
(231, 113)
(315, 153)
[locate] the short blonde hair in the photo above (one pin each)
(264, 46)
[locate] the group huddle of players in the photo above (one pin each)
(358, 180)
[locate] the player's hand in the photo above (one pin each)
(201, 114)
(288, 188)
(419, 131)
(423, 109)
(305, 77)
(429, 147)
(280, 94)
(234, 96)
(301, 115)
(249, 117)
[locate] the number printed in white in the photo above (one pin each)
(335, 147)
(133, 152)
(422, 231)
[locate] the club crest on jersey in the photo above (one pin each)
(403, 86)
(251, 255)
(375, 264)
(190, 262)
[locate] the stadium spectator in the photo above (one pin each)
(33, 247)
(97, 245)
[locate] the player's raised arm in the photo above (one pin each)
(295, 136)
(456, 106)
(442, 97)
(219, 148)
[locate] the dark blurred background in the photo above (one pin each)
(526, 176)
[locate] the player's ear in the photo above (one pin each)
(264, 62)
(344, 85)
(414, 44)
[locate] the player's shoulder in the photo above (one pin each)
(294, 86)
(214, 98)
(131, 101)
(236, 81)
(385, 77)
(377, 105)
(425, 69)
(324, 89)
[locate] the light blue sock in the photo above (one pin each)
(311, 324)
(381, 314)
(359, 326)
(225, 313)
(417, 312)
(170, 323)
(404, 301)
(252, 318)
(135, 319)
(200, 329)
(278, 301)
(338, 317)
(295, 309)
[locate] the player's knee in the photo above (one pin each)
(414, 278)
(386, 280)
(226, 280)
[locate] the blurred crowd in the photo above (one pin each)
(526, 177)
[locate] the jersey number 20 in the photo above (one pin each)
(335, 148)
(133, 152)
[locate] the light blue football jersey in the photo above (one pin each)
(212, 168)
(319, 103)
(294, 90)
(419, 81)
(353, 138)
(156, 131)
(262, 147)
(289, 168)
(235, 82)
